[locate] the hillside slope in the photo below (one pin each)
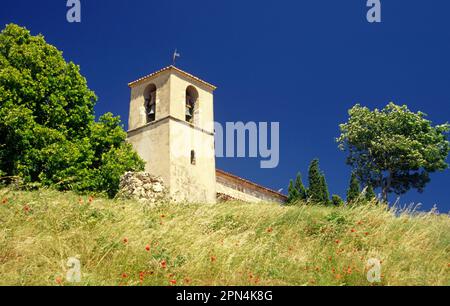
(126, 243)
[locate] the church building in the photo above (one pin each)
(171, 126)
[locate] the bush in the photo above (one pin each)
(48, 133)
(337, 200)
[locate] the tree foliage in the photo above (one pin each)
(354, 189)
(393, 148)
(337, 200)
(47, 130)
(318, 189)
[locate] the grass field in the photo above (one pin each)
(125, 243)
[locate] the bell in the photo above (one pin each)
(152, 111)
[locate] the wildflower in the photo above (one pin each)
(80, 200)
(360, 223)
(163, 216)
(353, 230)
(187, 281)
(349, 270)
(173, 282)
(58, 280)
(366, 233)
(124, 275)
(337, 241)
(91, 199)
(338, 276)
(163, 264)
(270, 230)
(147, 248)
(333, 270)
(213, 258)
(330, 258)
(5, 200)
(125, 240)
(26, 208)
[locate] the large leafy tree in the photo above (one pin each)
(48, 134)
(394, 149)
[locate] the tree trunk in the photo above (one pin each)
(386, 187)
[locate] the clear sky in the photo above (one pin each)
(301, 63)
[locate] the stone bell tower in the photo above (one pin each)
(171, 126)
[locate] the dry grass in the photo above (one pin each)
(224, 244)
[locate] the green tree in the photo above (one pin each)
(337, 200)
(300, 187)
(318, 190)
(325, 191)
(293, 194)
(48, 134)
(394, 149)
(354, 189)
(370, 193)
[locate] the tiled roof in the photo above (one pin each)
(175, 69)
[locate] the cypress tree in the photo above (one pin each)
(315, 192)
(293, 194)
(354, 189)
(324, 190)
(370, 193)
(300, 187)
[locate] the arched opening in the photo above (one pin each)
(150, 103)
(191, 103)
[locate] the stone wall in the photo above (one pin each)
(143, 187)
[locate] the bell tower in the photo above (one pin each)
(171, 126)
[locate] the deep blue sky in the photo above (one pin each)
(302, 63)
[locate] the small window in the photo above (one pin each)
(193, 159)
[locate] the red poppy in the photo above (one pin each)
(26, 208)
(366, 233)
(270, 230)
(163, 264)
(349, 270)
(91, 199)
(124, 275)
(187, 280)
(125, 240)
(353, 230)
(213, 258)
(58, 280)
(5, 200)
(173, 282)
(338, 276)
(147, 248)
(338, 241)
(163, 216)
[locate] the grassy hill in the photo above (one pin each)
(126, 243)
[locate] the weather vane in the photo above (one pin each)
(175, 55)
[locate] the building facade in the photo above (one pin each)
(171, 126)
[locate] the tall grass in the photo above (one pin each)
(127, 243)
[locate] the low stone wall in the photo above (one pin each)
(143, 187)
